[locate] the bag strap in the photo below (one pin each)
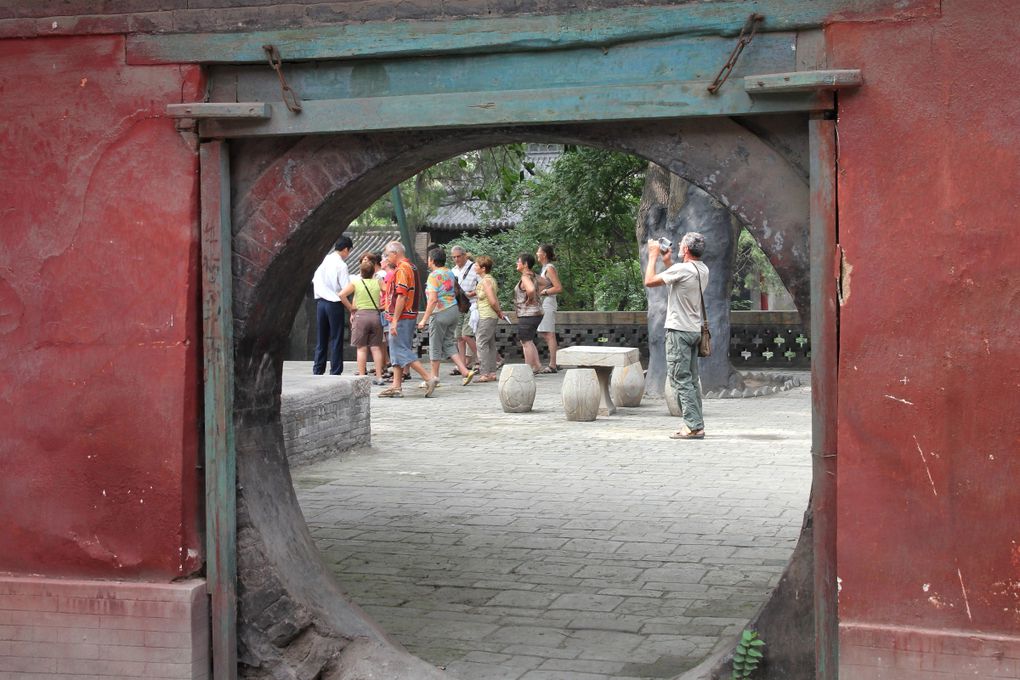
(701, 293)
(372, 300)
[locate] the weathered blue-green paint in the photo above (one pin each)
(824, 389)
(218, 356)
(523, 33)
(218, 110)
(522, 107)
(803, 81)
(674, 59)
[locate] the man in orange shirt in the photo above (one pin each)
(402, 311)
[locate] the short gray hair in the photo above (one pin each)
(395, 246)
(694, 242)
(458, 250)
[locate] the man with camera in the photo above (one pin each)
(684, 307)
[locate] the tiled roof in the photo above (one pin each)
(370, 241)
(468, 217)
(472, 215)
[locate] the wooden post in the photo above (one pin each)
(218, 353)
(824, 367)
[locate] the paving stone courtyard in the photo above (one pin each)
(525, 547)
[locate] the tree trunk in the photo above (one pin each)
(671, 207)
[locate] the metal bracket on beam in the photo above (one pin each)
(206, 110)
(803, 81)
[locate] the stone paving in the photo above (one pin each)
(525, 547)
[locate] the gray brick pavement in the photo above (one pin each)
(523, 546)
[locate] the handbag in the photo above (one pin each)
(705, 341)
(463, 302)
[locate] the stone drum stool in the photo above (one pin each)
(603, 360)
(627, 385)
(581, 394)
(517, 388)
(671, 403)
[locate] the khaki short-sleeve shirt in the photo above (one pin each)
(683, 305)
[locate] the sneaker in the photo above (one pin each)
(391, 392)
(377, 381)
(431, 386)
(467, 378)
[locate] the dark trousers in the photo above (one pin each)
(330, 319)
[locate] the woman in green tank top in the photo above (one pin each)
(366, 329)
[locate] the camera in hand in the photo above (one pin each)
(665, 243)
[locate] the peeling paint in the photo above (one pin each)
(889, 396)
(845, 270)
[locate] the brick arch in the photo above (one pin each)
(289, 199)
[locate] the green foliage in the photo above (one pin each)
(748, 655)
(490, 175)
(591, 195)
(752, 271)
(586, 208)
(620, 287)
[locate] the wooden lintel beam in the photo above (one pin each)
(599, 28)
(803, 81)
(209, 110)
(517, 107)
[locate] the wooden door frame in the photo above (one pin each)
(658, 22)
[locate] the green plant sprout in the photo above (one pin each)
(747, 655)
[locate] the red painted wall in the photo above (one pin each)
(99, 341)
(929, 436)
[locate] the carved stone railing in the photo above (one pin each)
(757, 339)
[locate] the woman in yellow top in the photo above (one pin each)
(366, 329)
(489, 314)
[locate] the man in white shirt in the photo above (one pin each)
(687, 281)
(330, 278)
(467, 277)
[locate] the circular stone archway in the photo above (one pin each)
(288, 198)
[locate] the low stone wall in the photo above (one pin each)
(323, 415)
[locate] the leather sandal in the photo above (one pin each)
(692, 434)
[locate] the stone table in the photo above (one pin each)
(603, 360)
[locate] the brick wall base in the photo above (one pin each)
(869, 652)
(323, 415)
(55, 628)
